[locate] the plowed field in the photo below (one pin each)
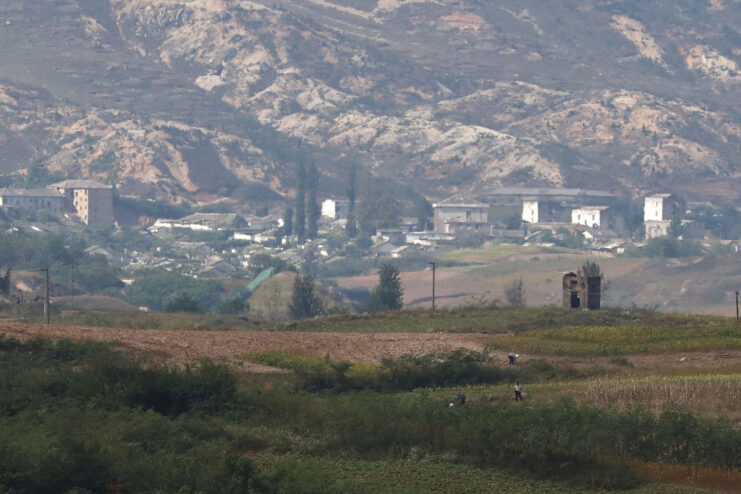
(182, 346)
(186, 346)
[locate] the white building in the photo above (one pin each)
(336, 209)
(599, 217)
(203, 222)
(591, 216)
(658, 212)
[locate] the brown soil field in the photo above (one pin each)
(183, 346)
(232, 346)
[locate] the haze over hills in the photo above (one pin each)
(199, 99)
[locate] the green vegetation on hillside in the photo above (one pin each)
(157, 290)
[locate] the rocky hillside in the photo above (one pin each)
(197, 100)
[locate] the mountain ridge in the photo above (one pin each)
(190, 100)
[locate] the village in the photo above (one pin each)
(222, 245)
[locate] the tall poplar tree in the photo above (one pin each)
(288, 222)
(304, 300)
(299, 224)
(312, 206)
(352, 227)
(388, 294)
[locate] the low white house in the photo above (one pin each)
(591, 216)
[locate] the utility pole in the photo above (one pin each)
(736, 306)
(45, 269)
(433, 286)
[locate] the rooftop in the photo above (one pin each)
(223, 218)
(527, 191)
(80, 184)
(460, 200)
(30, 193)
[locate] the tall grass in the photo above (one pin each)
(714, 394)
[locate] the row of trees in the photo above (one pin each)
(375, 205)
(303, 219)
(387, 295)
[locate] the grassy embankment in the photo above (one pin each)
(464, 320)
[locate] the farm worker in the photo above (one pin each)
(518, 391)
(511, 356)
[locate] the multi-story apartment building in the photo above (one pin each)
(91, 201)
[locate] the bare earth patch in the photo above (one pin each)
(232, 346)
(183, 346)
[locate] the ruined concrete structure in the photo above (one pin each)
(582, 291)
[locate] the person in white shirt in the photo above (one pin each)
(518, 391)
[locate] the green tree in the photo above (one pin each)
(5, 283)
(37, 175)
(312, 206)
(304, 300)
(675, 229)
(288, 222)
(423, 212)
(234, 305)
(590, 269)
(514, 293)
(95, 273)
(514, 222)
(388, 294)
(183, 303)
(378, 207)
(352, 227)
(156, 290)
(299, 224)
(238, 222)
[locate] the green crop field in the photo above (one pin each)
(603, 410)
(715, 334)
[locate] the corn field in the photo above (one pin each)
(718, 393)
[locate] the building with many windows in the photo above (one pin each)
(33, 200)
(91, 201)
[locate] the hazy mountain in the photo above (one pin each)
(198, 99)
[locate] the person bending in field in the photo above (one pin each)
(518, 391)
